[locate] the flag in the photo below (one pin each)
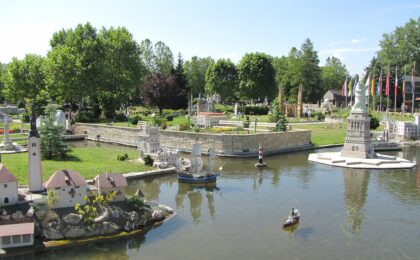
(350, 89)
(403, 86)
(388, 75)
(372, 88)
(396, 82)
(367, 84)
(354, 86)
(344, 89)
(380, 84)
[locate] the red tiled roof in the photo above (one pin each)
(5, 175)
(65, 178)
(110, 180)
(17, 229)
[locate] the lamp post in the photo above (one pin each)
(256, 120)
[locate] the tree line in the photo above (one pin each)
(107, 70)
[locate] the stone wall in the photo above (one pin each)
(224, 144)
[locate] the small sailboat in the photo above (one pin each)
(292, 219)
(194, 172)
(260, 162)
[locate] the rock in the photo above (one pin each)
(102, 217)
(52, 234)
(166, 209)
(72, 219)
(109, 228)
(157, 215)
(115, 213)
(5, 217)
(30, 212)
(75, 232)
(134, 216)
(4, 212)
(53, 224)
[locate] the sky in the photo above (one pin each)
(349, 30)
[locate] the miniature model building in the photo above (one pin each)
(68, 187)
(8, 187)
(111, 182)
(34, 158)
(208, 119)
(17, 235)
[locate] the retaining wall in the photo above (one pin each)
(224, 144)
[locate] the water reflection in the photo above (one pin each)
(355, 194)
(195, 198)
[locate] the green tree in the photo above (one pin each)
(181, 81)
(24, 80)
(164, 59)
(3, 70)
(52, 140)
(280, 68)
(196, 69)
(75, 64)
(333, 74)
(278, 117)
(122, 67)
(222, 78)
(256, 77)
(147, 55)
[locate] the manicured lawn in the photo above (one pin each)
(89, 161)
(324, 134)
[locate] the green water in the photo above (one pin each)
(346, 214)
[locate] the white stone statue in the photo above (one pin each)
(360, 98)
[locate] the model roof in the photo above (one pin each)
(65, 178)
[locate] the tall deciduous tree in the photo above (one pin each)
(3, 70)
(147, 55)
(162, 91)
(75, 63)
(333, 74)
(164, 59)
(222, 78)
(195, 70)
(256, 76)
(25, 80)
(122, 68)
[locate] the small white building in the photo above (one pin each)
(208, 119)
(8, 187)
(16, 235)
(68, 187)
(404, 130)
(109, 182)
(148, 138)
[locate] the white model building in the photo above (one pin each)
(8, 187)
(109, 182)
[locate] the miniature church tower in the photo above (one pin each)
(358, 143)
(34, 157)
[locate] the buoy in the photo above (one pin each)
(260, 162)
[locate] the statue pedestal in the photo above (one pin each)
(358, 143)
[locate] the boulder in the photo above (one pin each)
(75, 232)
(51, 234)
(166, 209)
(134, 216)
(104, 216)
(72, 219)
(109, 228)
(157, 215)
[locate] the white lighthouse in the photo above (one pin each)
(34, 158)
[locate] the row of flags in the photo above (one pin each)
(349, 88)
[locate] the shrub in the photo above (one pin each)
(148, 161)
(25, 117)
(120, 117)
(254, 110)
(135, 201)
(183, 127)
(374, 122)
(135, 119)
(320, 117)
(169, 118)
(122, 157)
(85, 116)
(196, 129)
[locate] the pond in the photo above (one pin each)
(346, 214)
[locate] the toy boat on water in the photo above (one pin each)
(292, 219)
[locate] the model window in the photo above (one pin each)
(33, 144)
(5, 240)
(26, 238)
(34, 154)
(16, 239)
(5, 185)
(6, 200)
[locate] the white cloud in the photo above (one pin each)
(357, 40)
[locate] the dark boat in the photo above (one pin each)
(194, 173)
(292, 219)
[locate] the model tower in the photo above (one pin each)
(34, 157)
(358, 143)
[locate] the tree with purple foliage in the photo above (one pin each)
(163, 91)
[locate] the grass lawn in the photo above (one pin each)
(324, 134)
(89, 161)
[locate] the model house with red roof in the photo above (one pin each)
(17, 235)
(8, 187)
(109, 182)
(68, 188)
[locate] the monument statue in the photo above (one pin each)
(360, 98)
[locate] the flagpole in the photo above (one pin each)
(413, 88)
(403, 91)
(395, 90)
(380, 92)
